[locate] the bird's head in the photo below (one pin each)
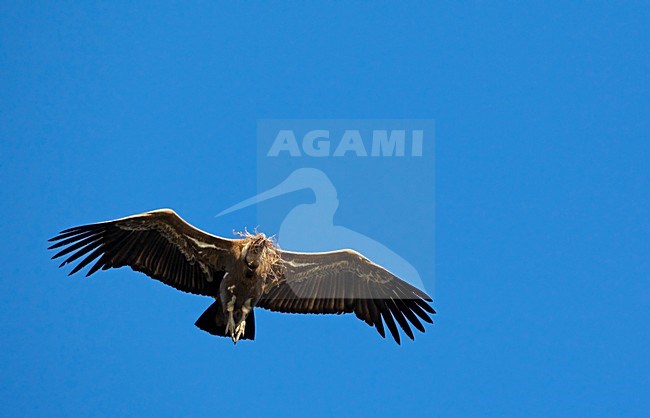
(260, 254)
(254, 251)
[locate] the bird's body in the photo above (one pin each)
(244, 273)
(242, 287)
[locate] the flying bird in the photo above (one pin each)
(246, 273)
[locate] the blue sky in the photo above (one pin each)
(541, 216)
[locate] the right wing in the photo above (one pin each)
(158, 243)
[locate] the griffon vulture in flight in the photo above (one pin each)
(242, 274)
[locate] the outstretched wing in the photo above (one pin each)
(344, 282)
(158, 243)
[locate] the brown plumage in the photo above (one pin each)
(241, 274)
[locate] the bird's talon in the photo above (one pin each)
(239, 331)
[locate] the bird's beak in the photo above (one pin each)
(287, 186)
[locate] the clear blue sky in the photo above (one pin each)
(542, 203)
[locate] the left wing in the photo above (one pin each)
(344, 282)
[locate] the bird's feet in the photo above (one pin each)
(230, 308)
(230, 326)
(239, 331)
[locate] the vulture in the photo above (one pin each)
(246, 273)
